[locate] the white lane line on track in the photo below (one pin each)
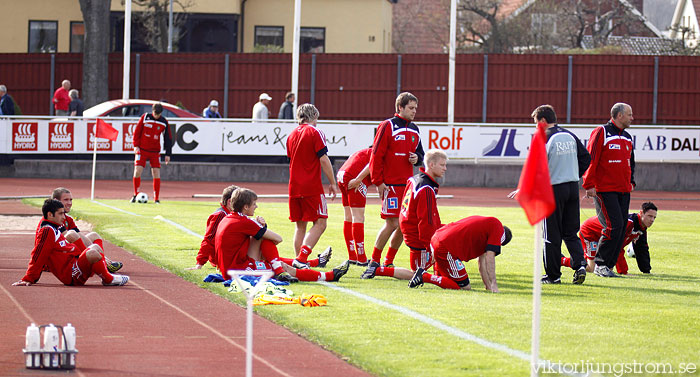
(425, 319)
(213, 330)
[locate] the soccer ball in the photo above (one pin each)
(142, 198)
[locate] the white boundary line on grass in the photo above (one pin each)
(410, 313)
(115, 208)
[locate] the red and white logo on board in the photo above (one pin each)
(25, 136)
(102, 144)
(128, 143)
(61, 136)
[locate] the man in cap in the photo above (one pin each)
(260, 110)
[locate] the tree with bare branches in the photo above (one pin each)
(153, 17)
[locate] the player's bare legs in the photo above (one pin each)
(308, 242)
(315, 233)
(299, 233)
(389, 230)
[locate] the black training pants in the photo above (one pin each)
(612, 209)
(563, 224)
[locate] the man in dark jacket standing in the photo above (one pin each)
(287, 108)
(7, 105)
(609, 180)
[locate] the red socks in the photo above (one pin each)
(269, 252)
(440, 281)
(358, 234)
(304, 254)
(566, 262)
(349, 241)
(100, 269)
(384, 271)
(311, 275)
(137, 185)
(377, 255)
(390, 255)
(98, 242)
(156, 188)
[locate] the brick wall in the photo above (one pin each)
(420, 26)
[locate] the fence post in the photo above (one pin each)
(398, 75)
(53, 79)
(569, 83)
(226, 69)
(137, 75)
(656, 89)
(313, 80)
(486, 90)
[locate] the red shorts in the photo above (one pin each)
(421, 258)
(356, 198)
(448, 266)
(391, 205)
(590, 248)
(310, 208)
(143, 156)
(82, 269)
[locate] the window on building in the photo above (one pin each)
(77, 36)
(543, 24)
(312, 40)
(269, 39)
(43, 36)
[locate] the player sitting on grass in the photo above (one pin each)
(635, 234)
(353, 180)
(207, 249)
(64, 195)
(458, 242)
(71, 265)
(243, 243)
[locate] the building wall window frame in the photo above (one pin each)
(312, 40)
(77, 36)
(43, 36)
(268, 39)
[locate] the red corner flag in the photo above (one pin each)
(535, 193)
(105, 130)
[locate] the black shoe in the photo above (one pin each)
(324, 257)
(157, 201)
(341, 270)
(285, 276)
(547, 280)
(388, 265)
(114, 267)
(417, 279)
(370, 271)
(580, 275)
(133, 199)
(362, 264)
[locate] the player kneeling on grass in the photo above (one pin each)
(243, 243)
(64, 195)
(70, 264)
(635, 234)
(458, 242)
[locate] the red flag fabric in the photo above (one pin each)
(535, 193)
(105, 130)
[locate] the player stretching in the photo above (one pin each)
(397, 148)
(246, 244)
(353, 180)
(147, 148)
(65, 260)
(308, 157)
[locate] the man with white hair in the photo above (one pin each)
(76, 106)
(61, 99)
(260, 110)
(7, 105)
(212, 111)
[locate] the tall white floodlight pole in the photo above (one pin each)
(453, 48)
(127, 48)
(295, 52)
(170, 28)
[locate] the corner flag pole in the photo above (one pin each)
(536, 300)
(94, 161)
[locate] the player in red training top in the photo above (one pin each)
(458, 242)
(207, 251)
(84, 239)
(147, 147)
(65, 260)
(308, 157)
(246, 244)
(635, 234)
(419, 217)
(397, 148)
(353, 180)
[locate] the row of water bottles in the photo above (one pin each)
(58, 351)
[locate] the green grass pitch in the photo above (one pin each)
(643, 319)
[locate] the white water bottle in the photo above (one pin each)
(33, 344)
(69, 336)
(50, 346)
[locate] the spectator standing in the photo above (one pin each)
(7, 105)
(212, 111)
(61, 99)
(76, 105)
(609, 180)
(260, 110)
(287, 108)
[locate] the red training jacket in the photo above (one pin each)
(419, 217)
(612, 160)
(395, 139)
(147, 134)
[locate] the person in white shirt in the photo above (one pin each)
(260, 110)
